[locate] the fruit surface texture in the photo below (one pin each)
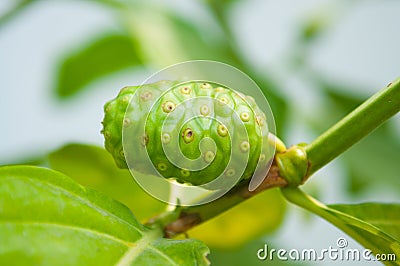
(193, 132)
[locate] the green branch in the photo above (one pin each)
(356, 125)
(292, 166)
(182, 219)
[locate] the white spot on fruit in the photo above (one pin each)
(230, 172)
(185, 173)
(168, 106)
(222, 130)
(145, 96)
(188, 135)
(186, 90)
(245, 117)
(107, 134)
(162, 167)
(126, 122)
(205, 86)
(204, 110)
(244, 146)
(165, 138)
(219, 89)
(209, 156)
(144, 140)
(125, 99)
(223, 100)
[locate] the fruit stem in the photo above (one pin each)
(356, 125)
(194, 215)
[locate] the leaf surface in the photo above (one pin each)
(374, 225)
(385, 216)
(94, 167)
(46, 218)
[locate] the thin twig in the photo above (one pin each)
(195, 215)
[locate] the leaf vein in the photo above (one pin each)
(87, 202)
(165, 256)
(71, 227)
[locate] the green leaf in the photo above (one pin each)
(374, 225)
(14, 10)
(94, 167)
(163, 39)
(46, 218)
(385, 216)
(106, 55)
(224, 3)
(375, 155)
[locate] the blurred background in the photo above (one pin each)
(315, 61)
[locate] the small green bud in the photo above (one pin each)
(293, 165)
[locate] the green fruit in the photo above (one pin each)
(182, 117)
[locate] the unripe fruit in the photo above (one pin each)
(184, 115)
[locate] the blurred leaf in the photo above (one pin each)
(105, 55)
(276, 101)
(373, 158)
(94, 167)
(318, 22)
(16, 8)
(245, 255)
(342, 98)
(36, 159)
(249, 220)
(48, 219)
(374, 161)
(220, 9)
(163, 39)
(222, 3)
(199, 44)
(374, 225)
(383, 216)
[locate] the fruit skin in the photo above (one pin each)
(206, 104)
(114, 115)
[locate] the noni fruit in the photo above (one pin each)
(182, 115)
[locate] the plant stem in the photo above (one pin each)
(345, 222)
(299, 198)
(194, 215)
(290, 166)
(356, 125)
